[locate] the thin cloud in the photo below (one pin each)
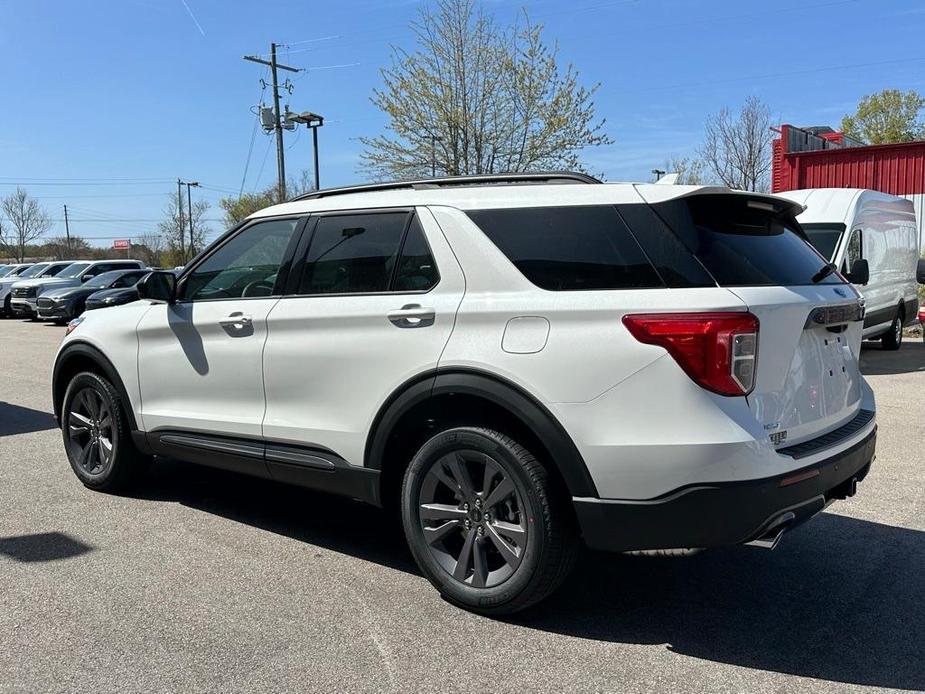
(193, 17)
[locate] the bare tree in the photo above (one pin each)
(477, 98)
(737, 149)
(25, 222)
(149, 247)
(175, 230)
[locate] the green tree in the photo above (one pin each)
(474, 97)
(888, 116)
(239, 208)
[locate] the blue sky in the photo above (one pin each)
(156, 89)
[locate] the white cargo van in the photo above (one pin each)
(849, 226)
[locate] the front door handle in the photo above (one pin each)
(237, 324)
(412, 316)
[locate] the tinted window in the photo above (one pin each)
(824, 237)
(244, 266)
(417, 270)
(352, 254)
(854, 252)
(569, 248)
(675, 263)
(741, 245)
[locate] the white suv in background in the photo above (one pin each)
(524, 364)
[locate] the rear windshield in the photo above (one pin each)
(824, 237)
(569, 248)
(743, 246)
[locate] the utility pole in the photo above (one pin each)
(277, 117)
(180, 216)
(67, 231)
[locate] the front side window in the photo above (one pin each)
(353, 253)
(854, 252)
(569, 248)
(244, 266)
(128, 279)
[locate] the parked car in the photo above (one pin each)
(62, 304)
(873, 240)
(26, 293)
(520, 364)
(14, 270)
(25, 271)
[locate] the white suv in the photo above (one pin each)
(521, 363)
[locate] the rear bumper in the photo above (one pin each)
(727, 513)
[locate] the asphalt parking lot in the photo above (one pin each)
(207, 581)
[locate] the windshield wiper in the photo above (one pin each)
(824, 272)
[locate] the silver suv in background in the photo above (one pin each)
(22, 272)
(25, 294)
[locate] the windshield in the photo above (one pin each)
(35, 270)
(107, 278)
(5, 270)
(72, 270)
(824, 237)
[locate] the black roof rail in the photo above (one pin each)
(451, 181)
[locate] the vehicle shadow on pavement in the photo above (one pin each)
(876, 361)
(840, 599)
(16, 419)
(42, 547)
(333, 522)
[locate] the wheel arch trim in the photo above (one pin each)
(86, 350)
(475, 382)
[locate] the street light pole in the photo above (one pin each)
(315, 151)
(313, 121)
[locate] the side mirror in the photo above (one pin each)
(86, 278)
(158, 286)
(920, 271)
(860, 272)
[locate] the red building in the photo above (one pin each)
(824, 158)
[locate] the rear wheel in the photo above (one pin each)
(484, 522)
(893, 338)
(96, 435)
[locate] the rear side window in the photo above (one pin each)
(353, 254)
(741, 245)
(569, 248)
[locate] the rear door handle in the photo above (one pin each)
(237, 324)
(412, 316)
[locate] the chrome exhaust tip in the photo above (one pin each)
(773, 532)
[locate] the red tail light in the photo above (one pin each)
(717, 350)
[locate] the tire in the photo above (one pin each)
(506, 554)
(86, 430)
(893, 338)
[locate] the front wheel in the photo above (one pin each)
(484, 521)
(96, 435)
